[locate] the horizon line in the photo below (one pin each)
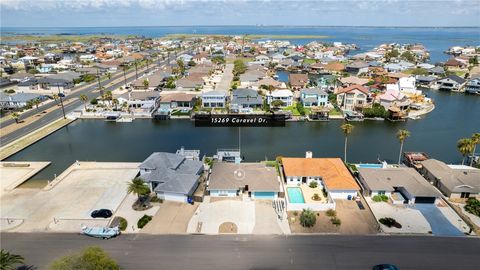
(249, 25)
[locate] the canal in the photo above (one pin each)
(456, 116)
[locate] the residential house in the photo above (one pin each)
(297, 80)
(425, 81)
(245, 100)
(455, 63)
(172, 177)
(190, 82)
(451, 83)
(214, 99)
(393, 97)
(18, 100)
(473, 86)
(285, 95)
(177, 101)
(268, 81)
(352, 97)
(329, 173)
(334, 67)
(453, 181)
(250, 77)
(311, 97)
(140, 101)
(399, 67)
(278, 57)
(28, 85)
(60, 81)
(256, 180)
(437, 71)
(346, 81)
(357, 67)
(402, 185)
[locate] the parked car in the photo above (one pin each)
(386, 266)
(101, 213)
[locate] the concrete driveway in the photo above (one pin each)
(438, 222)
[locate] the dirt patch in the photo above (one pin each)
(228, 227)
(353, 220)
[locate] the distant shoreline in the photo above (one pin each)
(248, 36)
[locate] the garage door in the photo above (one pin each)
(264, 195)
(424, 199)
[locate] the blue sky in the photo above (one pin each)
(54, 13)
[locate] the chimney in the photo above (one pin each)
(308, 154)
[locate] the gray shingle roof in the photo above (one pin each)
(173, 173)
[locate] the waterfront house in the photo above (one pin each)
(393, 97)
(311, 97)
(473, 86)
(214, 99)
(285, 95)
(297, 80)
(425, 81)
(334, 67)
(171, 176)
(346, 81)
(278, 57)
(451, 83)
(178, 101)
(352, 97)
(455, 63)
(455, 181)
(329, 173)
(399, 67)
(256, 180)
(401, 185)
(140, 101)
(246, 100)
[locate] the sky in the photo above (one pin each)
(103, 13)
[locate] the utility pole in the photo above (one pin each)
(136, 70)
(125, 75)
(60, 95)
(98, 77)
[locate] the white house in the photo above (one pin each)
(214, 99)
(284, 95)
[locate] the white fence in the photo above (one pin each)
(311, 206)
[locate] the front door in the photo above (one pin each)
(465, 195)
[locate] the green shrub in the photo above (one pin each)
(313, 184)
(295, 213)
(336, 221)
(123, 224)
(94, 101)
(89, 258)
(300, 108)
(380, 198)
(316, 197)
(308, 218)
(377, 110)
(331, 213)
(473, 206)
(143, 221)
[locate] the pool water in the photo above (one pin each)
(376, 166)
(295, 195)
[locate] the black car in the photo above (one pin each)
(385, 267)
(101, 213)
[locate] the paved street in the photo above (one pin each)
(57, 113)
(255, 252)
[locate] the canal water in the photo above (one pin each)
(456, 115)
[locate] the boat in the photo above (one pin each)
(101, 232)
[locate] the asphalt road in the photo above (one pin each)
(57, 113)
(198, 252)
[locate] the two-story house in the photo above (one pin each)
(352, 97)
(285, 95)
(214, 99)
(473, 86)
(245, 100)
(311, 97)
(451, 83)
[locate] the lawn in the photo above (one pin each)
(309, 61)
(179, 113)
(294, 111)
(335, 111)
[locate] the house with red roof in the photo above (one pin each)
(352, 97)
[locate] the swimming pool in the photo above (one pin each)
(295, 195)
(375, 166)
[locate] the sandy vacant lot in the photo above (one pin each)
(80, 189)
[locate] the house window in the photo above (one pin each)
(381, 192)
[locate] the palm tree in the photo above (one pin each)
(9, 260)
(55, 97)
(36, 102)
(138, 186)
(146, 83)
(402, 134)
(475, 140)
(347, 129)
(109, 75)
(84, 99)
(15, 117)
(115, 102)
(465, 147)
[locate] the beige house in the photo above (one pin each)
(353, 97)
